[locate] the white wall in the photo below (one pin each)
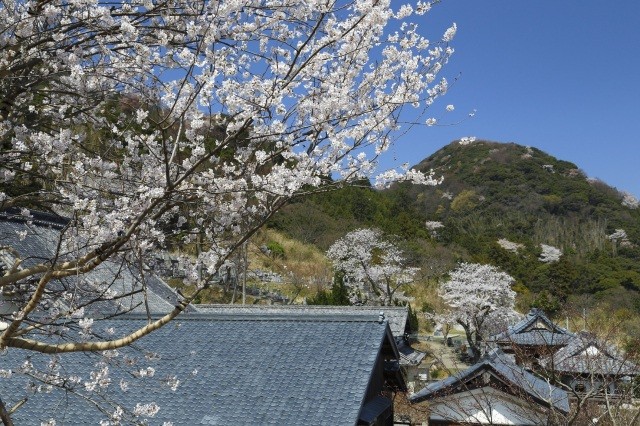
(487, 406)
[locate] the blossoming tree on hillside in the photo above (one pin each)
(549, 254)
(154, 124)
(373, 267)
(480, 301)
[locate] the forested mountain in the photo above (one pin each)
(504, 204)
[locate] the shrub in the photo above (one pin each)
(276, 250)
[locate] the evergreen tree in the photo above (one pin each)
(338, 295)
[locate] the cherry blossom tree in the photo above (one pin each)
(373, 266)
(433, 226)
(549, 254)
(510, 245)
(628, 200)
(619, 238)
(480, 299)
(151, 125)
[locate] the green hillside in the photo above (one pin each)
(495, 194)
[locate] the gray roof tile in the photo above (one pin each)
(540, 338)
(395, 315)
(585, 354)
(527, 332)
(39, 244)
(509, 372)
(252, 369)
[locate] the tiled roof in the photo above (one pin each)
(252, 369)
(508, 372)
(540, 338)
(408, 355)
(527, 332)
(373, 408)
(585, 354)
(395, 315)
(39, 244)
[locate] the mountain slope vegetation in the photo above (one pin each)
(502, 204)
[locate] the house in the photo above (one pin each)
(115, 287)
(234, 367)
(533, 337)
(396, 316)
(591, 367)
(212, 365)
(493, 391)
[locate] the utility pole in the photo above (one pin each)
(244, 273)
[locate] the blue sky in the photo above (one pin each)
(562, 76)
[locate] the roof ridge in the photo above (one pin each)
(505, 370)
(299, 307)
(37, 217)
(255, 316)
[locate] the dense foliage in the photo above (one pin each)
(337, 295)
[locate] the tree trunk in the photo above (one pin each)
(472, 345)
(4, 415)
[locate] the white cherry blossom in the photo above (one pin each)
(480, 300)
(549, 254)
(374, 267)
